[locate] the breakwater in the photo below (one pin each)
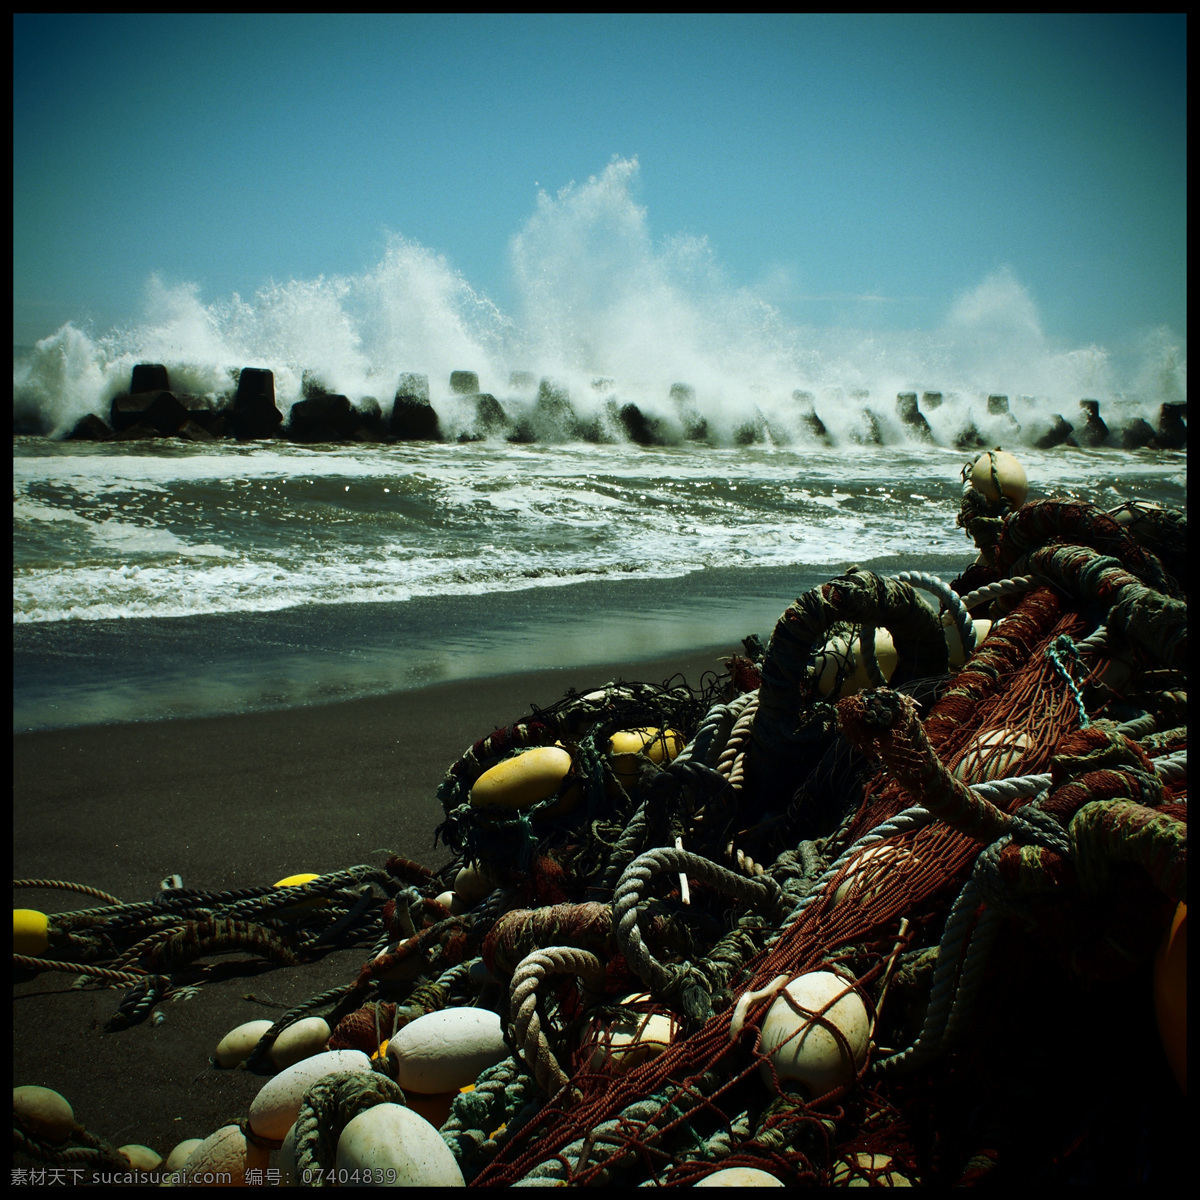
(545, 410)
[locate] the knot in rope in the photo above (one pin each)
(886, 725)
(883, 709)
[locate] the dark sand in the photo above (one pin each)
(231, 802)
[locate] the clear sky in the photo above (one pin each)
(855, 171)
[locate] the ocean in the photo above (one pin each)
(158, 579)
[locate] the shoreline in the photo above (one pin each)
(311, 788)
(90, 673)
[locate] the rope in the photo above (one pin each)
(951, 603)
(713, 734)
(1062, 647)
(760, 891)
(62, 886)
(1014, 586)
(526, 1032)
(1107, 832)
(1156, 623)
(953, 960)
(328, 1106)
(500, 1093)
(885, 725)
(115, 978)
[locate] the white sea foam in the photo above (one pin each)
(598, 298)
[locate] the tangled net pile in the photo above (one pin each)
(961, 849)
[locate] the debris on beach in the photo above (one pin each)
(856, 912)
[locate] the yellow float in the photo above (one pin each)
(1170, 995)
(31, 932)
(626, 745)
(299, 881)
(521, 781)
(997, 467)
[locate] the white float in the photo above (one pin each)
(299, 1041)
(1008, 472)
(178, 1157)
(867, 1170)
(275, 1107)
(869, 869)
(473, 883)
(814, 1057)
(444, 1051)
(838, 654)
(237, 1045)
(390, 1146)
(631, 1038)
(992, 755)
(740, 1177)
(223, 1159)
(141, 1158)
(44, 1112)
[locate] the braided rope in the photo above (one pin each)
(526, 1032)
(94, 1152)
(952, 603)
(759, 890)
(953, 950)
(1013, 586)
(731, 764)
(1172, 767)
(713, 732)
(1061, 647)
(1108, 831)
(886, 724)
(63, 886)
(608, 1147)
(1096, 642)
(1139, 727)
(1156, 623)
(500, 1092)
(116, 978)
(327, 1107)
(1002, 790)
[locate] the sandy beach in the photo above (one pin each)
(231, 802)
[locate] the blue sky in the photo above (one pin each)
(864, 172)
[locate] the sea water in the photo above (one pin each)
(158, 579)
(164, 578)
